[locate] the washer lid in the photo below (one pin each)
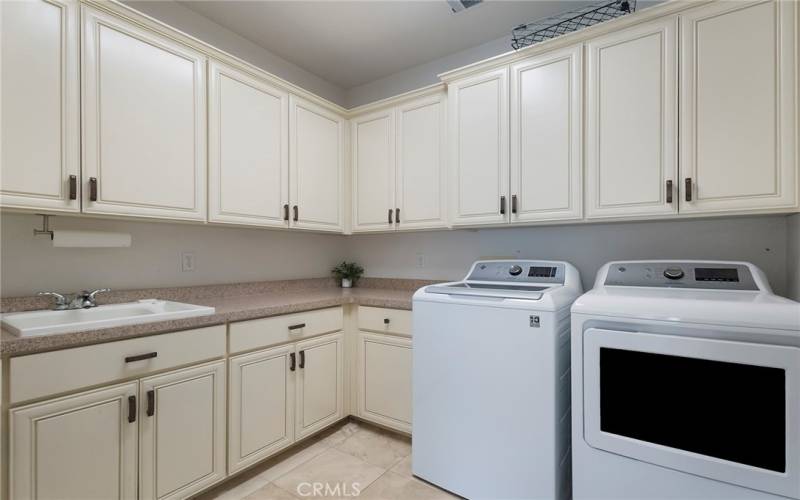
(501, 290)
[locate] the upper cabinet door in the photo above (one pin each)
(40, 129)
(546, 161)
(421, 163)
(478, 125)
(248, 144)
(316, 166)
(144, 108)
(373, 158)
(738, 106)
(631, 122)
(182, 431)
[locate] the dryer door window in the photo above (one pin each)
(713, 408)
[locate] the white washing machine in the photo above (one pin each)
(685, 384)
(491, 381)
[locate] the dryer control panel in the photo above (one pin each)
(695, 275)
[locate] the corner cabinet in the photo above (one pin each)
(144, 121)
(479, 148)
(739, 94)
(398, 165)
(631, 121)
(248, 143)
(40, 117)
(316, 166)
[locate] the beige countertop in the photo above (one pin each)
(257, 301)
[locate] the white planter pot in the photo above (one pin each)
(346, 283)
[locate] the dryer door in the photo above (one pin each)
(719, 409)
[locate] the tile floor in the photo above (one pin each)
(352, 459)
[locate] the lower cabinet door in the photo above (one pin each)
(320, 383)
(79, 446)
(261, 411)
(182, 440)
(384, 380)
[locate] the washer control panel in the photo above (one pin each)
(696, 275)
(518, 271)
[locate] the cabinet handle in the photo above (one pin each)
(286, 212)
(513, 203)
(502, 205)
(92, 188)
(297, 326)
(390, 215)
(291, 361)
(688, 188)
(302, 359)
(73, 187)
(669, 191)
(131, 409)
(141, 357)
(385, 321)
(151, 403)
(397, 215)
(296, 213)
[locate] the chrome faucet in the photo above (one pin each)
(81, 300)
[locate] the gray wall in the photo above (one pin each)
(448, 254)
(223, 255)
(202, 28)
(793, 256)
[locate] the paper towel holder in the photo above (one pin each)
(45, 227)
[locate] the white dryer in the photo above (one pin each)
(491, 381)
(685, 384)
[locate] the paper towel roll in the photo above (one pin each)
(90, 239)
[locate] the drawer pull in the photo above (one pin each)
(131, 409)
(688, 188)
(73, 187)
(296, 213)
(141, 357)
(502, 205)
(92, 188)
(302, 359)
(291, 362)
(385, 321)
(397, 215)
(390, 215)
(513, 203)
(151, 403)
(297, 326)
(286, 212)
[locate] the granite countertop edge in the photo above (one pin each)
(11, 345)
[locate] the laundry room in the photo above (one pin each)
(399, 249)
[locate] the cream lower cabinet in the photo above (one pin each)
(80, 446)
(384, 380)
(739, 91)
(320, 383)
(40, 129)
(182, 431)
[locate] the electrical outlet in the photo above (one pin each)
(187, 261)
(420, 260)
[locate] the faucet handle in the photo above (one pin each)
(61, 300)
(90, 296)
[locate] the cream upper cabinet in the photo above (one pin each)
(546, 138)
(421, 173)
(182, 431)
(384, 380)
(631, 121)
(316, 166)
(479, 148)
(144, 126)
(372, 138)
(739, 106)
(320, 383)
(248, 146)
(40, 125)
(79, 446)
(261, 410)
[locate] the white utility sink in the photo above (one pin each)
(35, 323)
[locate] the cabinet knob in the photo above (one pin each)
(385, 321)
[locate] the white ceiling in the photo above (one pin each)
(349, 43)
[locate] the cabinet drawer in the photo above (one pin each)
(378, 319)
(39, 375)
(257, 333)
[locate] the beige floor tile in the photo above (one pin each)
(339, 435)
(391, 486)
(337, 471)
(403, 467)
(377, 447)
(270, 492)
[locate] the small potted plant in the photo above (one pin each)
(348, 273)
